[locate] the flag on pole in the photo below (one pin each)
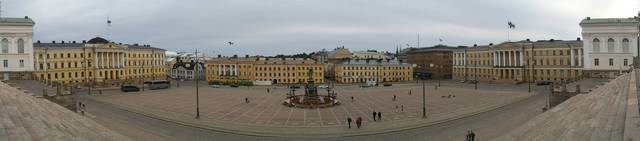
(511, 25)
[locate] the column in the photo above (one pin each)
(95, 61)
(571, 57)
(502, 59)
(513, 58)
(580, 63)
(493, 56)
(101, 59)
(522, 63)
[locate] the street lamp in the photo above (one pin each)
(197, 92)
(424, 101)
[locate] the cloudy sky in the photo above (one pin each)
(269, 27)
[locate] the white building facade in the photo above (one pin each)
(610, 45)
(16, 48)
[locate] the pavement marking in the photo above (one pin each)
(289, 117)
(251, 109)
(334, 115)
(265, 109)
(319, 115)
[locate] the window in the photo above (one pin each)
(5, 63)
(5, 45)
(596, 45)
(20, 46)
(610, 44)
(625, 45)
(596, 62)
(610, 61)
(21, 63)
(41, 66)
(625, 62)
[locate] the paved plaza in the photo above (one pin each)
(225, 108)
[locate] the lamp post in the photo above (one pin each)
(424, 101)
(197, 92)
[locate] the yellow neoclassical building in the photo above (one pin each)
(274, 70)
(378, 70)
(522, 61)
(97, 62)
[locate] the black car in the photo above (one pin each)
(544, 83)
(233, 85)
(387, 84)
(129, 88)
(294, 87)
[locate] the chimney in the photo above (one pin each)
(475, 45)
(54, 42)
(551, 40)
(84, 41)
(62, 42)
(490, 44)
(74, 42)
(38, 41)
(528, 40)
(235, 56)
(219, 56)
(26, 17)
(578, 39)
(588, 18)
(246, 56)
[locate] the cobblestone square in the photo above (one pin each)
(227, 105)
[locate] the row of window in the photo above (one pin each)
(346, 74)
(81, 55)
(75, 64)
(487, 73)
(80, 74)
(4, 44)
(611, 45)
(5, 63)
(374, 68)
(596, 62)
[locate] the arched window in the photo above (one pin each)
(625, 45)
(596, 45)
(5, 45)
(20, 46)
(610, 44)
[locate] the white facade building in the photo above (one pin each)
(610, 45)
(16, 48)
(370, 54)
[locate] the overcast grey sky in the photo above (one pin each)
(269, 27)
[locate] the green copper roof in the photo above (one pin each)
(16, 21)
(608, 20)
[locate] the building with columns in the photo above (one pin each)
(522, 61)
(377, 70)
(610, 45)
(273, 70)
(16, 35)
(97, 62)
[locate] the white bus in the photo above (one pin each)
(158, 84)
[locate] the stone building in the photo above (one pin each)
(378, 70)
(432, 62)
(522, 61)
(188, 70)
(97, 62)
(16, 35)
(610, 45)
(274, 70)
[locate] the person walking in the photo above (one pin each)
(409, 92)
(468, 137)
(379, 115)
(351, 98)
(374, 115)
(394, 97)
(246, 100)
(349, 121)
(268, 91)
(359, 122)
(473, 136)
(402, 108)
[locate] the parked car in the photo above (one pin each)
(323, 86)
(233, 85)
(544, 83)
(214, 86)
(294, 87)
(387, 84)
(129, 88)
